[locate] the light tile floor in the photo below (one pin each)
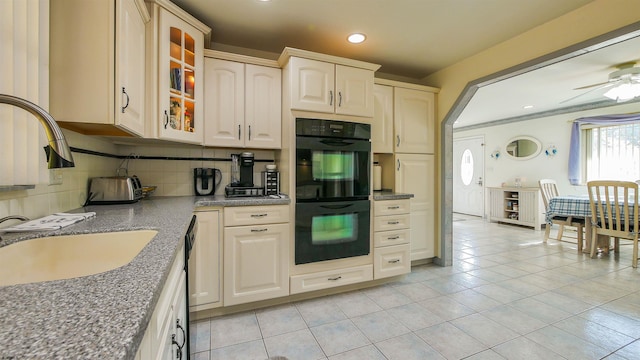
(507, 296)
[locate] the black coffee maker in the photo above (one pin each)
(242, 169)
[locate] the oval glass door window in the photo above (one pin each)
(466, 167)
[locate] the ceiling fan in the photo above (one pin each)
(623, 84)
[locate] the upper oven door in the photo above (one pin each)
(332, 168)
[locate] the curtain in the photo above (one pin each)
(574, 149)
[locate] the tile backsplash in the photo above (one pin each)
(172, 177)
(175, 177)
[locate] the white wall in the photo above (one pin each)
(554, 130)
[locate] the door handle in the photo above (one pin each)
(398, 140)
(238, 132)
(124, 92)
(398, 164)
(330, 97)
(480, 181)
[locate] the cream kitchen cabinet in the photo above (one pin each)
(414, 174)
(243, 105)
(256, 253)
(176, 52)
(391, 238)
(97, 53)
(414, 121)
(205, 262)
(165, 335)
(330, 88)
(382, 125)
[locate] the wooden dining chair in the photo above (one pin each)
(549, 190)
(614, 213)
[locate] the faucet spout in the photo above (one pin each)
(59, 155)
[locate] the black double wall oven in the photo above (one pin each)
(332, 190)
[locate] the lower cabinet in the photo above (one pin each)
(331, 278)
(414, 175)
(391, 238)
(205, 263)
(165, 337)
(256, 253)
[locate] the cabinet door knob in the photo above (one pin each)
(330, 97)
(238, 132)
(166, 119)
(258, 215)
(398, 164)
(249, 132)
(398, 140)
(394, 237)
(259, 230)
(393, 222)
(393, 207)
(394, 261)
(339, 98)
(335, 278)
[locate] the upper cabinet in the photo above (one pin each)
(97, 57)
(382, 125)
(414, 121)
(176, 54)
(242, 104)
(327, 84)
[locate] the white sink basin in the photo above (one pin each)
(69, 256)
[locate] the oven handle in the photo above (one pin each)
(337, 142)
(335, 207)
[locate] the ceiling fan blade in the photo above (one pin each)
(590, 86)
(604, 86)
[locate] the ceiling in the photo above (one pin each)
(415, 38)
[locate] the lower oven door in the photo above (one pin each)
(331, 230)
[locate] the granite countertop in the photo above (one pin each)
(101, 316)
(390, 195)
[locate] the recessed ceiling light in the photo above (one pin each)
(527, 107)
(356, 38)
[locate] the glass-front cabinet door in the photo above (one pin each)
(180, 80)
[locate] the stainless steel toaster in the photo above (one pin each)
(114, 190)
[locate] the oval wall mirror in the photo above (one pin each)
(523, 148)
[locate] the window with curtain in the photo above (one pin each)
(612, 152)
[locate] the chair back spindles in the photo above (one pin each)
(614, 211)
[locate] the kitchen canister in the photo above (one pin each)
(377, 176)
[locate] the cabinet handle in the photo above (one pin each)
(179, 349)
(394, 237)
(238, 132)
(330, 97)
(398, 140)
(398, 164)
(339, 98)
(184, 335)
(393, 207)
(127, 104)
(258, 215)
(259, 230)
(166, 119)
(394, 261)
(335, 278)
(249, 132)
(393, 222)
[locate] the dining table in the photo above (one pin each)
(578, 207)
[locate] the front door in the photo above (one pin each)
(468, 176)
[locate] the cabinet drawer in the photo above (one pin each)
(393, 237)
(391, 222)
(255, 215)
(329, 279)
(391, 207)
(391, 261)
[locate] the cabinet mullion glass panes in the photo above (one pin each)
(181, 81)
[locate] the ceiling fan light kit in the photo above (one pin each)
(624, 91)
